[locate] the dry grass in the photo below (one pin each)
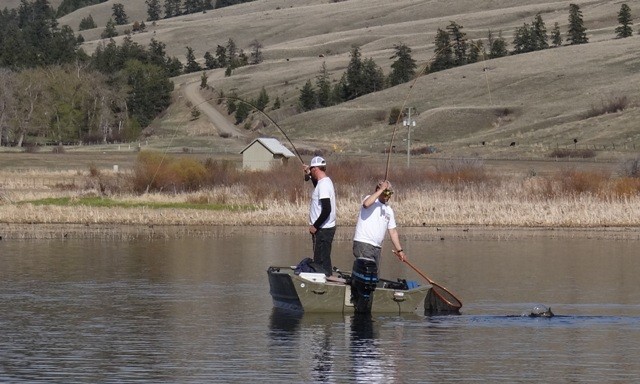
(454, 194)
(548, 93)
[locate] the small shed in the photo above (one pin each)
(263, 153)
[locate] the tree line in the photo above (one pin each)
(53, 92)
(452, 49)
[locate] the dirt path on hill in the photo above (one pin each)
(191, 91)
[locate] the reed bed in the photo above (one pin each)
(454, 194)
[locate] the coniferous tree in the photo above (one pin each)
(87, 23)
(192, 65)
(242, 112)
(324, 87)
(443, 58)
(403, 68)
(263, 100)
(372, 76)
(172, 8)
(119, 15)
(232, 54)
(110, 30)
(556, 37)
(210, 61)
(221, 56)
(277, 104)
(497, 46)
(307, 99)
(354, 81)
(476, 52)
(256, 52)
(539, 33)
(577, 33)
(203, 80)
(459, 43)
(153, 10)
(626, 21)
(192, 6)
(523, 40)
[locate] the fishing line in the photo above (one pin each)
(238, 99)
(408, 94)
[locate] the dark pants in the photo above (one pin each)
(322, 241)
(366, 251)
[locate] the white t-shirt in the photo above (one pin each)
(324, 189)
(373, 223)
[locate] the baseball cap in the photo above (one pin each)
(318, 162)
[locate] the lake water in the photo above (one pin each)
(197, 309)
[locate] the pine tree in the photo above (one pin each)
(373, 77)
(110, 30)
(277, 104)
(221, 56)
(354, 82)
(625, 20)
(497, 46)
(153, 10)
(172, 8)
(307, 99)
(324, 87)
(443, 58)
(539, 33)
(556, 37)
(210, 61)
(263, 100)
(523, 40)
(203, 80)
(403, 68)
(476, 52)
(242, 112)
(119, 14)
(459, 43)
(87, 23)
(256, 52)
(577, 33)
(192, 64)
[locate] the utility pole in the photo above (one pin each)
(408, 122)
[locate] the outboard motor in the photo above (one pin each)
(364, 278)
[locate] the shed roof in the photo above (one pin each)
(272, 145)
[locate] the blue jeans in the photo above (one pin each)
(322, 241)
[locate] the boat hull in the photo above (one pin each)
(310, 293)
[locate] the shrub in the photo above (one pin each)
(573, 182)
(617, 104)
(631, 168)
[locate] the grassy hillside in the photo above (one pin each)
(539, 101)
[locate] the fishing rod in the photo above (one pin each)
(265, 115)
(408, 94)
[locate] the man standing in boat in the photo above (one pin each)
(375, 218)
(322, 212)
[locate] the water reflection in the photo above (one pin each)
(198, 310)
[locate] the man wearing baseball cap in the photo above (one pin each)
(376, 217)
(322, 212)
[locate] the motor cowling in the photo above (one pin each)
(364, 279)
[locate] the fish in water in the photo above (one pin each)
(540, 310)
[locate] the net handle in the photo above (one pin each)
(456, 305)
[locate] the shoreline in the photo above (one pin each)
(38, 231)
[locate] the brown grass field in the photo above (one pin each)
(539, 101)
